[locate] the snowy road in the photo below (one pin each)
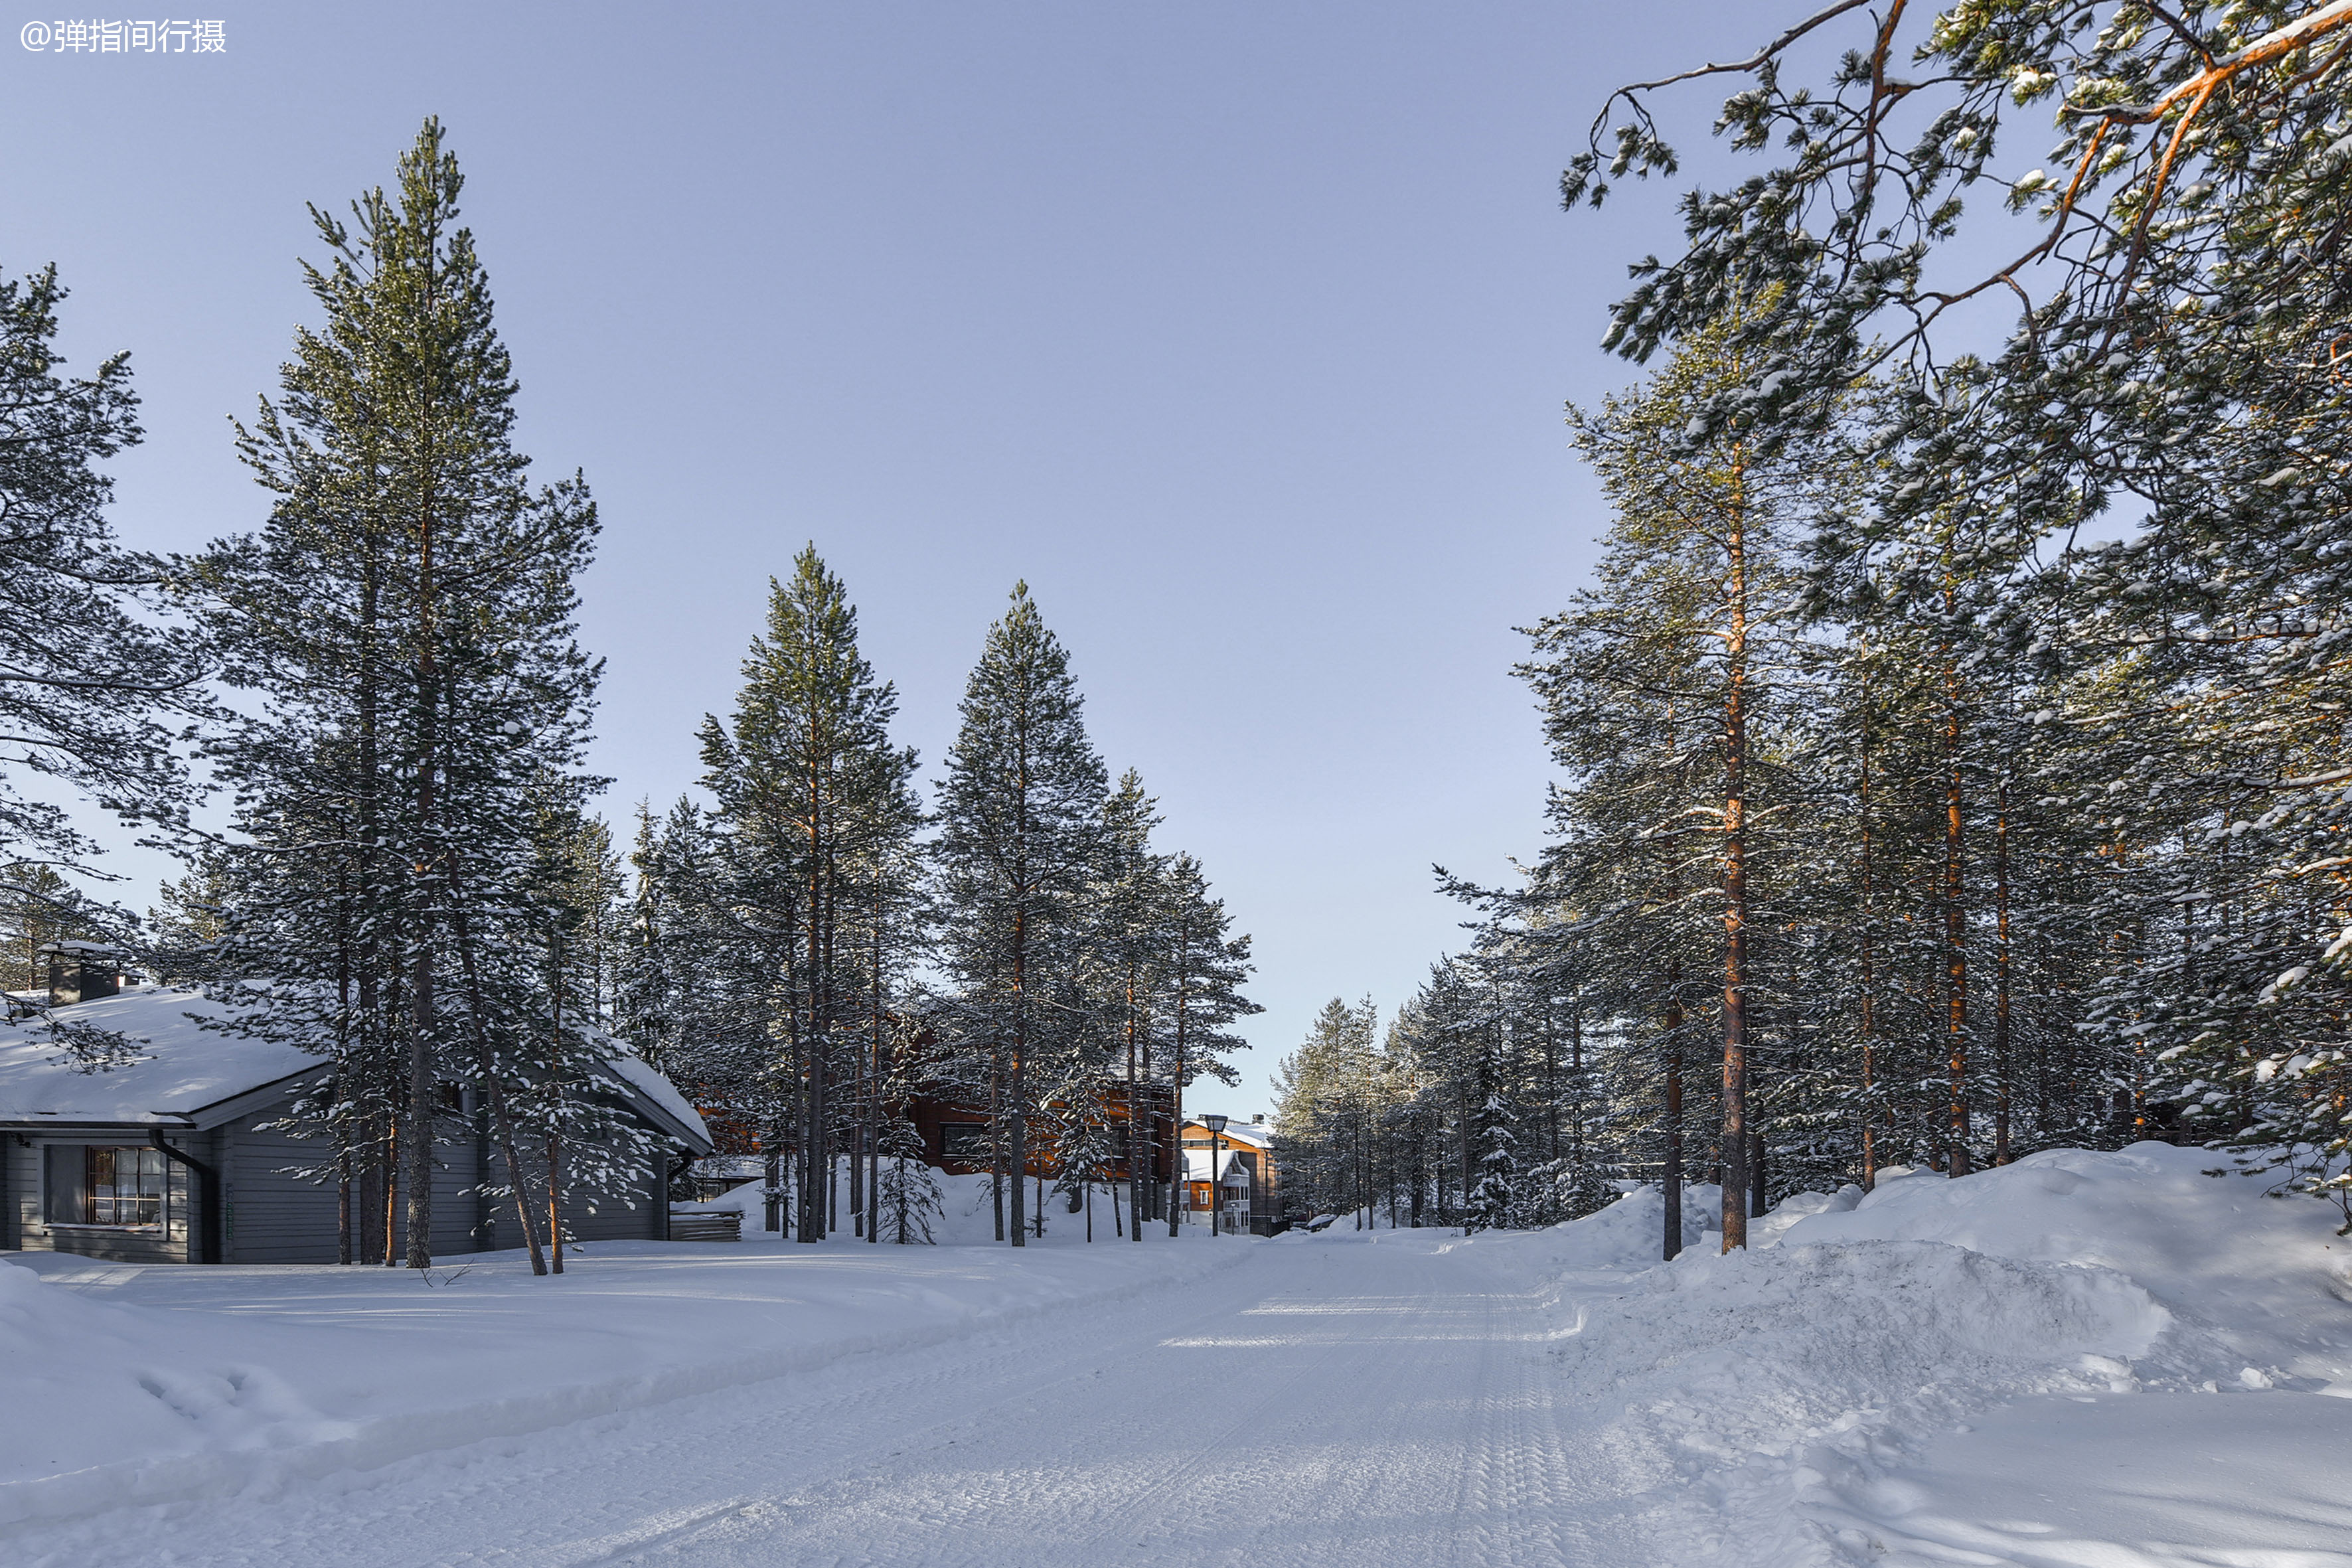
(2085, 1360)
(1346, 1404)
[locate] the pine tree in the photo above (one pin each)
(405, 616)
(37, 906)
(1018, 848)
(1204, 973)
(1130, 909)
(2177, 350)
(1494, 1200)
(1664, 694)
(815, 812)
(88, 671)
(1329, 1095)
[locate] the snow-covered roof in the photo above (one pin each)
(182, 1069)
(190, 1068)
(1255, 1134)
(1196, 1166)
(643, 1077)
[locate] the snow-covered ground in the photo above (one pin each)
(2103, 1359)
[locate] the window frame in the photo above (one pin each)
(965, 1142)
(81, 1193)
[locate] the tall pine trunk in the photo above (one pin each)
(1670, 1185)
(2000, 1063)
(1734, 1136)
(1956, 952)
(1867, 953)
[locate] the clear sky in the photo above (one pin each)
(1241, 330)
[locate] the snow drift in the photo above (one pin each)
(1771, 1393)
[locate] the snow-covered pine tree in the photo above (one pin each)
(1130, 910)
(1663, 693)
(1080, 1111)
(86, 669)
(583, 1143)
(908, 1193)
(1494, 1198)
(891, 927)
(37, 906)
(1328, 1096)
(701, 987)
(1203, 972)
(2177, 351)
(1020, 814)
(405, 618)
(814, 807)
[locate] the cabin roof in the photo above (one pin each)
(185, 1075)
(1253, 1135)
(1196, 1166)
(183, 1069)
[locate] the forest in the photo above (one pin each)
(1951, 754)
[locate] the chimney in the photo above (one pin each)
(82, 971)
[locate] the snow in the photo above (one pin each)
(642, 1077)
(2084, 1359)
(2140, 1480)
(966, 1214)
(1865, 1379)
(1196, 1166)
(132, 1385)
(181, 1068)
(178, 1066)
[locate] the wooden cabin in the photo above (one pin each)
(173, 1155)
(955, 1132)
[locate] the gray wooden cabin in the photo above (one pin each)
(171, 1157)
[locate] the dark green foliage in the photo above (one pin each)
(412, 869)
(88, 671)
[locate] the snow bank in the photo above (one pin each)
(1629, 1233)
(2267, 1277)
(1775, 1398)
(127, 1385)
(1735, 1379)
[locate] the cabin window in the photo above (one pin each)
(93, 1183)
(964, 1142)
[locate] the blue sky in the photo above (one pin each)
(1241, 330)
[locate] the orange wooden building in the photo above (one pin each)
(1247, 1185)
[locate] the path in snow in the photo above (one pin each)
(1343, 1404)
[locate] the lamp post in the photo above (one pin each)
(1216, 1125)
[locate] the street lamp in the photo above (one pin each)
(1216, 1125)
